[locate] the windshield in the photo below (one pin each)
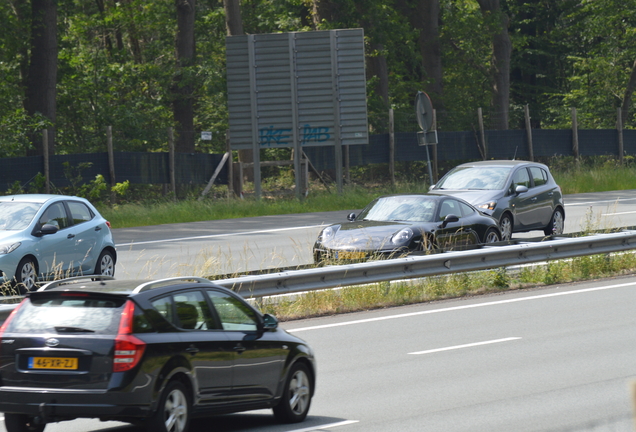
(17, 215)
(480, 178)
(407, 208)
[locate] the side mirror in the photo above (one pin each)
(449, 218)
(269, 322)
(521, 189)
(351, 217)
(46, 230)
(431, 187)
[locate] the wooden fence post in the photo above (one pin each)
(45, 156)
(111, 163)
(484, 146)
(392, 146)
(575, 135)
(173, 183)
(619, 127)
(529, 133)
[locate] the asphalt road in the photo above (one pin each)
(235, 245)
(551, 359)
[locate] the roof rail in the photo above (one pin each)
(166, 281)
(71, 280)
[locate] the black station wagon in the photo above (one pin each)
(154, 353)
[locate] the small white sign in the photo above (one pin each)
(206, 136)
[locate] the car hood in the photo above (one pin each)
(366, 235)
(475, 196)
(9, 235)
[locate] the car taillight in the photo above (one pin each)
(8, 320)
(108, 224)
(128, 348)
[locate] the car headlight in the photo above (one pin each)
(402, 236)
(327, 234)
(8, 247)
(488, 206)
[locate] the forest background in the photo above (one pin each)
(77, 66)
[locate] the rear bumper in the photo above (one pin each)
(53, 404)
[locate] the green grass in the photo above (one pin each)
(596, 176)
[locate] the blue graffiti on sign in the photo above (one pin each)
(319, 134)
(274, 137)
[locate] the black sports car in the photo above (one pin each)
(396, 225)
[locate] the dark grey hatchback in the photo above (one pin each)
(155, 353)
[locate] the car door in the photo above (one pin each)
(454, 235)
(259, 355)
(202, 342)
(544, 194)
(523, 205)
(86, 236)
(55, 252)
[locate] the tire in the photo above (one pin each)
(555, 227)
(296, 399)
(105, 264)
(506, 226)
(26, 275)
(173, 411)
(21, 423)
(492, 236)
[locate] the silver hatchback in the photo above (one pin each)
(521, 195)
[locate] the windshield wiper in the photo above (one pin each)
(65, 329)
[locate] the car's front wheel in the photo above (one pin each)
(492, 236)
(26, 275)
(21, 423)
(505, 226)
(173, 411)
(296, 399)
(555, 227)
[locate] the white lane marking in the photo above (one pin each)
(325, 426)
(619, 213)
(470, 345)
(456, 308)
(613, 201)
(216, 235)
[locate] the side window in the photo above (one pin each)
(234, 314)
(520, 178)
(449, 207)
(79, 212)
(466, 209)
(190, 311)
(55, 215)
(539, 176)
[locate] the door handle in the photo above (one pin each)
(192, 349)
(98, 228)
(70, 236)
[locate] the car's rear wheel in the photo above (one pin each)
(556, 224)
(505, 226)
(21, 423)
(492, 236)
(105, 264)
(173, 411)
(296, 399)
(26, 275)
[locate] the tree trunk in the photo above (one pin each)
(183, 106)
(500, 63)
(629, 91)
(428, 17)
(234, 26)
(42, 73)
(322, 10)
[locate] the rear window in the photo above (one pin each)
(71, 314)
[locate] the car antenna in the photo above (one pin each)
(515, 155)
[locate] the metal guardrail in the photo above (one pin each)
(486, 257)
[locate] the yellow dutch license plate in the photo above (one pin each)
(351, 255)
(67, 363)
